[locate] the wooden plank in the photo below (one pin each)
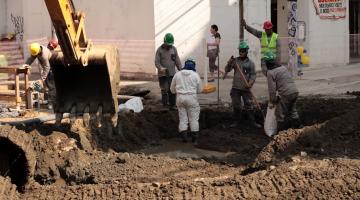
(8, 70)
(17, 91)
(27, 92)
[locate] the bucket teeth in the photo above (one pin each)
(73, 114)
(86, 116)
(58, 118)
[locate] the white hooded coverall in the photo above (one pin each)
(187, 84)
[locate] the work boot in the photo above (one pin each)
(253, 121)
(164, 99)
(183, 136)
(172, 107)
(194, 136)
(296, 123)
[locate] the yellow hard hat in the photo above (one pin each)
(34, 49)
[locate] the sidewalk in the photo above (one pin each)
(319, 80)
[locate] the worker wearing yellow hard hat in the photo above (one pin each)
(43, 54)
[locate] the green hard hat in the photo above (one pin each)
(268, 56)
(243, 45)
(169, 39)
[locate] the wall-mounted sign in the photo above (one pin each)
(330, 9)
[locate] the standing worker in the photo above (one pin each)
(239, 88)
(213, 50)
(281, 82)
(166, 59)
(187, 84)
(43, 55)
(269, 41)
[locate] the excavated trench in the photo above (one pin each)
(141, 143)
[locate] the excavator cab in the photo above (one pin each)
(86, 76)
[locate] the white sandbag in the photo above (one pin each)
(134, 104)
(270, 125)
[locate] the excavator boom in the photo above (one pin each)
(86, 76)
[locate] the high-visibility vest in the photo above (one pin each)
(268, 46)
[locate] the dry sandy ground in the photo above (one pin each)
(142, 159)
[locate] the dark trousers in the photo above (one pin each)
(50, 92)
(167, 98)
(236, 96)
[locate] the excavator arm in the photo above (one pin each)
(86, 76)
(70, 29)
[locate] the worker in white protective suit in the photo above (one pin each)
(186, 84)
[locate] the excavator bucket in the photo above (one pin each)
(87, 88)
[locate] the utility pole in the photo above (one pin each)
(241, 17)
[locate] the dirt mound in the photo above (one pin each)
(7, 189)
(318, 161)
(304, 179)
(136, 130)
(17, 156)
(338, 137)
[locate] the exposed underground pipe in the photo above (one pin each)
(35, 120)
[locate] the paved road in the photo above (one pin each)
(315, 80)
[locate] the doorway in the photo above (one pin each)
(354, 25)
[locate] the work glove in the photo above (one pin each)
(37, 85)
(271, 105)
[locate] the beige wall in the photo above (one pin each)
(2, 17)
(256, 12)
(327, 40)
(190, 22)
(128, 24)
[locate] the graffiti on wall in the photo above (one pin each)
(292, 24)
(18, 22)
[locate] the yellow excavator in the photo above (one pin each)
(86, 76)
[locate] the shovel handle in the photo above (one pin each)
(242, 76)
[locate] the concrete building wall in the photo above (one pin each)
(124, 23)
(327, 40)
(2, 17)
(190, 21)
(256, 12)
(129, 24)
(13, 15)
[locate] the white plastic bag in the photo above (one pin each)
(270, 125)
(134, 104)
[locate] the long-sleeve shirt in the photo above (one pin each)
(280, 80)
(43, 58)
(258, 34)
(248, 68)
(186, 82)
(167, 58)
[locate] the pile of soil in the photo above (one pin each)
(319, 160)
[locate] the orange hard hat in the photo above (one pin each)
(268, 25)
(53, 43)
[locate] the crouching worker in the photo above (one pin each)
(43, 54)
(280, 81)
(186, 84)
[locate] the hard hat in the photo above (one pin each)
(169, 39)
(268, 25)
(243, 45)
(35, 49)
(53, 43)
(269, 56)
(190, 64)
